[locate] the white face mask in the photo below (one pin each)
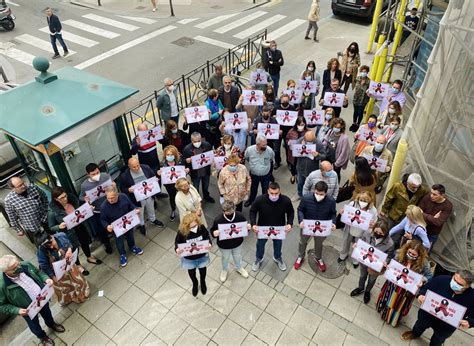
(194, 229)
(197, 144)
(170, 88)
(300, 128)
(96, 177)
(318, 197)
(363, 205)
(227, 146)
(394, 127)
(391, 111)
(260, 70)
(310, 68)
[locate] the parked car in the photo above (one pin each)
(360, 8)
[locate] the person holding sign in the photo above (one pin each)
(229, 247)
(147, 152)
(394, 302)
(114, 207)
(379, 151)
(393, 110)
(272, 209)
(413, 226)
(456, 288)
(316, 206)
(216, 111)
(137, 173)
(360, 98)
(234, 182)
(334, 88)
(297, 131)
(188, 200)
(20, 283)
(174, 136)
(192, 230)
(379, 239)
(61, 205)
(73, 286)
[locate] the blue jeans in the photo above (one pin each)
(276, 82)
(120, 241)
(236, 255)
(58, 37)
(98, 230)
(34, 324)
(277, 243)
(433, 239)
(258, 179)
(301, 179)
(205, 184)
(358, 114)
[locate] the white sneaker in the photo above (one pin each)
(223, 276)
(243, 272)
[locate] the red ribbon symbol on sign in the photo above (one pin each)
(79, 216)
(125, 222)
(146, 188)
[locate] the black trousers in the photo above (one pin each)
(424, 322)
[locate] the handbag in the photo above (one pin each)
(339, 223)
(345, 192)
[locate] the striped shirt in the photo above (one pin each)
(27, 211)
(28, 284)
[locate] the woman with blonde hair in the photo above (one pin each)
(234, 182)
(364, 202)
(395, 302)
(192, 230)
(414, 226)
(188, 200)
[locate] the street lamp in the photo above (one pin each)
(171, 8)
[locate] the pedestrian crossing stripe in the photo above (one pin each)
(39, 43)
(215, 42)
(18, 55)
(111, 22)
(285, 29)
(215, 20)
(139, 19)
(90, 28)
(69, 37)
(12, 3)
(236, 23)
(187, 21)
(260, 26)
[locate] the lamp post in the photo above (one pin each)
(171, 8)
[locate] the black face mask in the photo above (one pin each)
(285, 104)
(266, 117)
(378, 236)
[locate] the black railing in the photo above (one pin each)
(192, 86)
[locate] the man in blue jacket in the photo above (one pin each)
(315, 206)
(456, 288)
(55, 28)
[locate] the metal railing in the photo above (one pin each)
(192, 86)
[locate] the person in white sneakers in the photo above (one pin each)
(229, 247)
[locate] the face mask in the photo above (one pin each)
(328, 116)
(336, 130)
(318, 197)
(393, 127)
(174, 131)
(285, 104)
(260, 70)
(307, 78)
(197, 144)
(232, 168)
(273, 198)
(227, 146)
(378, 147)
(273, 49)
(169, 158)
(310, 68)
(395, 90)
(391, 111)
(327, 174)
(455, 286)
(371, 125)
(170, 88)
(18, 270)
(411, 258)
(300, 128)
(194, 229)
(262, 149)
(363, 74)
(378, 236)
(363, 205)
(96, 177)
(266, 117)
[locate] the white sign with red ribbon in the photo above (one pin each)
(232, 230)
(271, 232)
(376, 163)
(303, 150)
(196, 114)
(367, 135)
(98, 191)
(252, 97)
(150, 136)
(317, 228)
(40, 300)
(259, 78)
(378, 90)
(194, 248)
(369, 255)
(270, 131)
(314, 116)
(308, 86)
(402, 276)
(220, 161)
(125, 223)
(170, 174)
(236, 120)
(146, 189)
(286, 118)
(202, 160)
(295, 95)
(356, 217)
(332, 99)
(79, 215)
(64, 265)
(446, 310)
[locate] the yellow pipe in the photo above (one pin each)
(375, 22)
(398, 162)
(418, 4)
(396, 44)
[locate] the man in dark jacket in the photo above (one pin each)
(229, 94)
(200, 175)
(20, 283)
(456, 288)
(135, 174)
(272, 62)
(334, 88)
(55, 28)
(321, 207)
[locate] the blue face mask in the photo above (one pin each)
(328, 116)
(378, 147)
(395, 90)
(455, 286)
(169, 158)
(327, 174)
(232, 168)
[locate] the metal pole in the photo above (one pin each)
(375, 21)
(171, 8)
(397, 39)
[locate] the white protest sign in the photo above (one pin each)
(356, 217)
(150, 136)
(40, 300)
(196, 114)
(402, 276)
(252, 97)
(270, 131)
(62, 266)
(378, 90)
(314, 116)
(202, 160)
(368, 255)
(125, 223)
(232, 230)
(146, 189)
(367, 135)
(170, 174)
(317, 228)
(79, 215)
(236, 120)
(286, 118)
(443, 308)
(271, 232)
(303, 150)
(332, 99)
(98, 191)
(220, 161)
(376, 163)
(259, 78)
(308, 86)
(194, 248)
(295, 95)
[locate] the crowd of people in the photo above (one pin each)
(405, 226)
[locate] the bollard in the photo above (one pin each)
(375, 22)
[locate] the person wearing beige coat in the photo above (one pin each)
(380, 151)
(313, 17)
(234, 182)
(188, 200)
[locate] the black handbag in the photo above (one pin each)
(339, 223)
(345, 192)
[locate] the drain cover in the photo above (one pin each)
(333, 269)
(184, 42)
